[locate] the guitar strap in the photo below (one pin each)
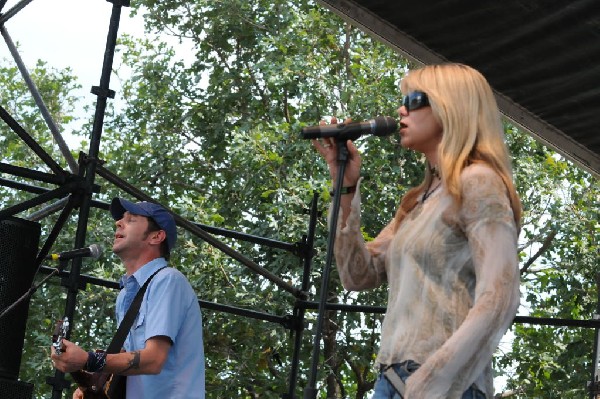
(119, 339)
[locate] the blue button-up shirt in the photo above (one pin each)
(170, 308)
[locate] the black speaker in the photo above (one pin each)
(19, 240)
(15, 389)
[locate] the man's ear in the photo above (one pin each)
(156, 237)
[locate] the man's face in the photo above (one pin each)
(130, 235)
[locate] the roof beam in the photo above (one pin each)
(420, 54)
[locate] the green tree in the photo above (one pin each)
(559, 262)
(56, 88)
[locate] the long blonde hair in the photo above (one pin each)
(463, 103)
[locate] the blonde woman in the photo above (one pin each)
(449, 256)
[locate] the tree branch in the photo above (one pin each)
(545, 245)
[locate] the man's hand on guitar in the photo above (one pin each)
(71, 359)
(78, 394)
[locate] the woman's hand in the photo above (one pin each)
(327, 147)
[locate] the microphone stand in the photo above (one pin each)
(34, 287)
(310, 392)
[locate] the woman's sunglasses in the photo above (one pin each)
(415, 100)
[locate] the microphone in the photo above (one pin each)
(93, 251)
(380, 126)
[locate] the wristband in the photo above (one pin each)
(96, 362)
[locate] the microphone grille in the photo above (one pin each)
(385, 125)
(95, 251)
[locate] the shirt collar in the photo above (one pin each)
(144, 272)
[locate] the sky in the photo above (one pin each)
(73, 33)
(66, 33)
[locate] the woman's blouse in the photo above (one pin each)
(453, 283)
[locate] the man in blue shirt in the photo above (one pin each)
(164, 354)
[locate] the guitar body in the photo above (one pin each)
(100, 385)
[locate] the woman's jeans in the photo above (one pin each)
(385, 390)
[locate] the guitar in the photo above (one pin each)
(93, 385)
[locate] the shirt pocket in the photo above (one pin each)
(139, 321)
(138, 332)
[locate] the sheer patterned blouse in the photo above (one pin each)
(453, 283)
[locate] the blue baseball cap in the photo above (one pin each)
(159, 214)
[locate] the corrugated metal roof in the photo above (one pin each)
(542, 57)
